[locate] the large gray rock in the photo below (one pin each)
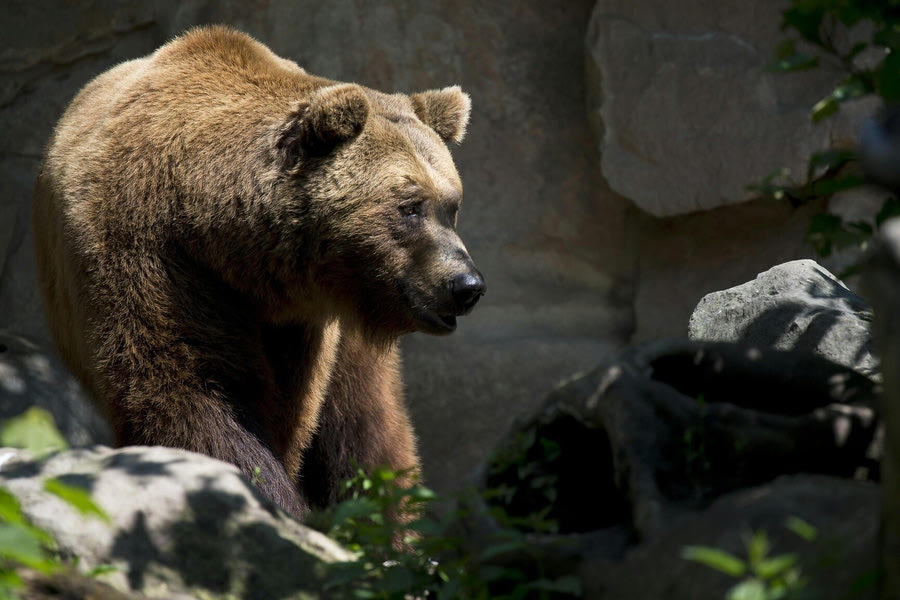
(32, 375)
(685, 113)
(836, 564)
(538, 219)
(183, 525)
(793, 306)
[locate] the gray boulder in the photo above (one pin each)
(31, 375)
(798, 306)
(182, 525)
(686, 114)
(836, 563)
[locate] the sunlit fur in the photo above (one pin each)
(224, 264)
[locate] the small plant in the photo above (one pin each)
(22, 544)
(522, 482)
(762, 576)
(696, 453)
(256, 478)
(871, 66)
(430, 561)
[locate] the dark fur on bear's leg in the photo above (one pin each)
(363, 421)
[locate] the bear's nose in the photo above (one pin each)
(467, 288)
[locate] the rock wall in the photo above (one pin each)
(686, 117)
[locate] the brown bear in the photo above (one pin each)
(230, 247)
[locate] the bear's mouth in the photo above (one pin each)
(437, 323)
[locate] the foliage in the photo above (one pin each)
(762, 576)
(33, 430)
(22, 544)
(696, 453)
(423, 557)
(871, 66)
(522, 482)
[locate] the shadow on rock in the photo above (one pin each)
(617, 456)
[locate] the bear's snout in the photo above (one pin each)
(466, 289)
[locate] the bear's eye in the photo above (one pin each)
(411, 209)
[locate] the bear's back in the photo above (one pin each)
(177, 123)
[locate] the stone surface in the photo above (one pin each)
(838, 563)
(32, 375)
(683, 258)
(538, 218)
(183, 525)
(882, 285)
(670, 425)
(793, 306)
(686, 115)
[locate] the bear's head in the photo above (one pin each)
(377, 191)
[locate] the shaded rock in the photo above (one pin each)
(839, 563)
(882, 284)
(69, 585)
(31, 375)
(684, 111)
(183, 525)
(619, 455)
(793, 306)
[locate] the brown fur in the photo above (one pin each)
(229, 247)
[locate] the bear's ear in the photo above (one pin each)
(446, 111)
(333, 114)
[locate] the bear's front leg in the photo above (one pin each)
(363, 421)
(196, 414)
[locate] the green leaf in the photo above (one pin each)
(887, 78)
(76, 497)
(855, 50)
(829, 160)
(33, 430)
(716, 559)
(421, 493)
(786, 49)
(824, 108)
(20, 544)
(10, 509)
(9, 581)
(860, 227)
(758, 547)
(398, 579)
(449, 590)
(752, 589)
(829, 187)
(806, 19)
(355, 508)
(788, 59)
(802, 528)
(775, 566)
(501, 548)
(890, 208)
(888, 37)
(102, 570)
(855, 86)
